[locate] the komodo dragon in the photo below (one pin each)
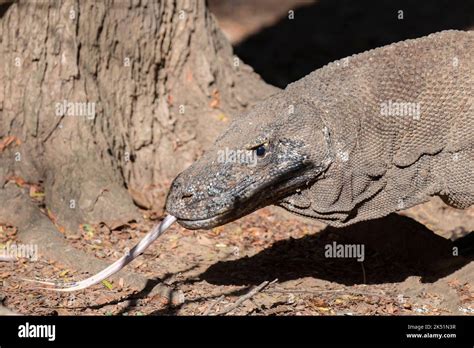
(358, 139)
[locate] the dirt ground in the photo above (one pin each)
(409, 266)
(408, 269)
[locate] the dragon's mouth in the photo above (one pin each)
(234, 211)
(207, 223)
(250, 198)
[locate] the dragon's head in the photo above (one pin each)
(264, 156)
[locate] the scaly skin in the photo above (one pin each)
(333, 147)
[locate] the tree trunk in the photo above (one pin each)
(107, 101)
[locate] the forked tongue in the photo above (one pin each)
(137, 250)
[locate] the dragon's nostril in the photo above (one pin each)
(186, 196)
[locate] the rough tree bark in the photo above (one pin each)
(163, 81)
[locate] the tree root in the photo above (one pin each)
(36, 229)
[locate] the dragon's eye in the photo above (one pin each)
(260, 150)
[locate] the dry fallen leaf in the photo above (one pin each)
(64, 273)
(9, 140)
(107, 284)
(20, 182)
(216, 99)
(35, 192)
(222, 117)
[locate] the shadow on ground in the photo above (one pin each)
(329, 30)
(396, 247)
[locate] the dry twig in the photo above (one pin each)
(295, 291)
(245, 297)
(212, 305)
